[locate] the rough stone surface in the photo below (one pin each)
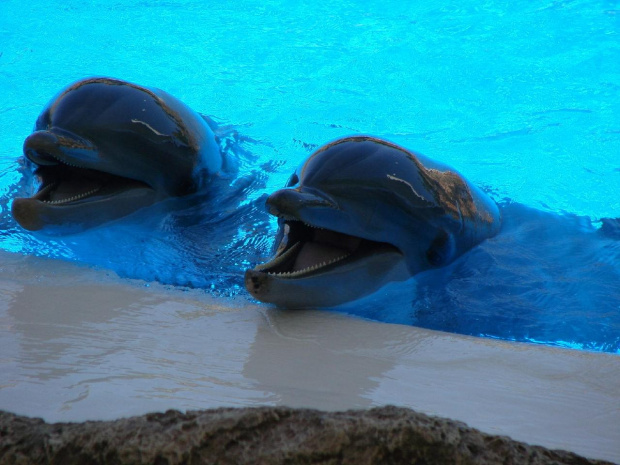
(266, 435)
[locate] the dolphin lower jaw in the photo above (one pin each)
(328, 286)
(68, 196)
(73, 216)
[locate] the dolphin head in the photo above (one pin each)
(361, 212)
(103, 148)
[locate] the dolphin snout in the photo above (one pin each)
(256, 283)
(46, 148)
(286, 202)
(40, 147)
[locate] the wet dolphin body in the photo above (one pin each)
(104, 148)
(361, 212)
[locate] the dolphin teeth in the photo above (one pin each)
(312, 226)
(74, 198)
(280, 258)
(45, 189)
(295, 274)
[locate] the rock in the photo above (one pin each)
(264, 435)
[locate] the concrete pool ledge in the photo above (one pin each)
(81, 344)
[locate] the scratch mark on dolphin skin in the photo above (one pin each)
(397, 179)
(137, 121)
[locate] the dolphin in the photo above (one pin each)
(361, 212)
(103, 148)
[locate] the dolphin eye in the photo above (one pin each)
(294, 179)
(441, 249)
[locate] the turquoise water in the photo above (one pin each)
(523, 100)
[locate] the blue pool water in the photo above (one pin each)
(523, 99)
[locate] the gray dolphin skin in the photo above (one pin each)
(361, 212)
(104, 148)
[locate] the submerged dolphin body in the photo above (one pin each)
(104, 148)
(361, 212)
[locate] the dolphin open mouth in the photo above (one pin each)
(62, 184)
(316, 267)
(67, 190)
(305, 250)
(65, 178)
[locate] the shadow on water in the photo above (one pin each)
(546, 278)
